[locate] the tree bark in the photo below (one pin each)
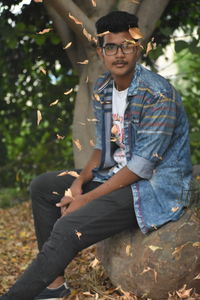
(148, 11)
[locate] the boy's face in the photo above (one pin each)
(120, 64)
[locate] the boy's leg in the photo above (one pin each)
(93, 222)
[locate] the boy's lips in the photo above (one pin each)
(120, 63)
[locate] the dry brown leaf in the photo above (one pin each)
(54, 103)
(87, 79)
(78, 144)
(196, 244)
(79, 234)
(114, 129)
(150, 46)
(46, 30)
(68, 92)
(128, 250)
(60, 137)
(87, 35)
(178, 250)
(92, 120)
(39, 117)
(97, 97)
(92, 143)
(43, 70)
(154, 248)
(38, 1)
(85, 62)
(82, 123)
(197, 277)
(102, 34)
(94, 3)
(75, 20)
(63, 173)
(55, 193)
(68, 193)
(73, 173)
(135, 33)
(174, 209)
(94, 263)
(68, 45)
(183, 293)
(147, 269)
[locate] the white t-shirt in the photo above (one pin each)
(119, 102)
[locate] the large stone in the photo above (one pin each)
(160, 262)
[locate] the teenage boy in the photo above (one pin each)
(138, 175)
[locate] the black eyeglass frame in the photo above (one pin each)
(121, 46)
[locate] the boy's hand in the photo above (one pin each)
(70, 204)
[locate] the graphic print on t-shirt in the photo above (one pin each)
(117, 131)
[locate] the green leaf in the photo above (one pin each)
(180, 45)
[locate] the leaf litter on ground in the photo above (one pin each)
(85, 274)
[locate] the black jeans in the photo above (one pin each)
(57, 236)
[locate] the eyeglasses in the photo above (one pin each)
(112, 49)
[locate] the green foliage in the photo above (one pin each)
(28, 149)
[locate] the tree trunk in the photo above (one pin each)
(148, 11)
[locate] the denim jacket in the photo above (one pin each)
(156, 145)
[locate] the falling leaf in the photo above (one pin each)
(128, 250)
(102, 34)
(154, 248)
(135, 33)
(94, 263)
(79, 234)
(92, 143)
(114, 129)
(68, 45)
(63, 173)
(55, 193)
(150, 46)
(196, 244)
(92, 120)
(46, 30)
(54, 103)
(87, 34)
(68, 193)
(94, 3)
(132, 42)
(73, 173)
(183, 293)
(197, 277)
(97, 97)
(82, 123)
(60, 137)
(78, 144)
(39, 117)
(85, 62)
(174, 209)
(43, 70)
(75, 19)
(69, 91)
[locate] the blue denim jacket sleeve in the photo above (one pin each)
(153, 134)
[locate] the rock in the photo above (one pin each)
(163, 261)
(196, 171)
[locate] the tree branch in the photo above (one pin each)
(128, 6)
(148, 17)
(63, 8)
(64, 33)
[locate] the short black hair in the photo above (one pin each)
(115, 21)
